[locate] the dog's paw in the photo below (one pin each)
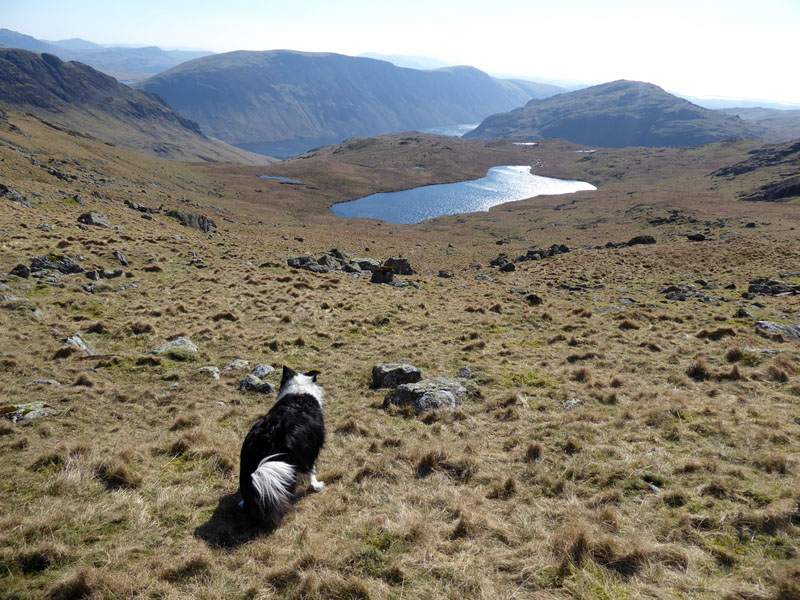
(317, 485)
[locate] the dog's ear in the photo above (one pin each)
(313, 375)
(288, 374)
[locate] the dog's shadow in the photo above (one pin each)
(230, 527)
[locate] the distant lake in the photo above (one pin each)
(452, 130)
(501, 184)
(289, 148)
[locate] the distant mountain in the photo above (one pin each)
(13, 39)
(125, 63)
(781, 125)
(615, 115)
(248, 97)
(81, 98)
(77, 44)
(408, 61)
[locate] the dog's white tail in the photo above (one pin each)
(273, 483)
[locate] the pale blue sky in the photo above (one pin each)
(726, 48)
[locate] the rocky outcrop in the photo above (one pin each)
(94, 218)
(56, 262)
(772, 287)
(190, 219)
(14, 196)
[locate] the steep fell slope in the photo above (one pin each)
(246, 97)
(615, 115)
(79, 97)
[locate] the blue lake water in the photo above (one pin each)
(281, 179)
(502, 184)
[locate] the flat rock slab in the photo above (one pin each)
(27, 412)
(427, 395)
(262, 371)
(179, 349)
(789, 331)
(391, 375)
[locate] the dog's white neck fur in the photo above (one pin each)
(302, 384)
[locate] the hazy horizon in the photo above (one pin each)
(691, 47)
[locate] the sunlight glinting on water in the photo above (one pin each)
(502, 184)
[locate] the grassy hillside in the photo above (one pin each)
(616, 444)
(615, 115)
(247, 97)
(80, 98)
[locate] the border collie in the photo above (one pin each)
(284, 442)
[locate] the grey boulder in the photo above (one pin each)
(428, 394)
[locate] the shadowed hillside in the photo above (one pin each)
(246, 97)
(617, 114)
(84, 99)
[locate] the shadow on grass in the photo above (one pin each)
(229, 527)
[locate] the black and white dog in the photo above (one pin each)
(284, 442)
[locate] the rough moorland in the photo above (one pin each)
(632, 433)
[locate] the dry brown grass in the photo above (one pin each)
(673, 477)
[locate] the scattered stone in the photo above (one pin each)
(22, 271)
(391, 375)
(533, 299)
(626, 301)
(401, 266)
(382, 275)
(94, 218)
(465, 372)
(537, 253)
(501, 261)
(14, 196)
(445, 274)
(123, 260)
(49, 382)
(261, 371)
(508, 267)
(27, 412)
(572, 403)
(76, 340)
(696, 237)
(641, 239)
(211, 370)
(46, 227)
(189, 219)
(141, 208)
(367, 264)
(761, 350)
(56, 262)
(742, 313)
(772, 328)
(93, 275)
(238, 363)
(109, 274)
(427, 395)
(251, 383)
(179, 349)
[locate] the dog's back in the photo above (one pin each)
(285, 441)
